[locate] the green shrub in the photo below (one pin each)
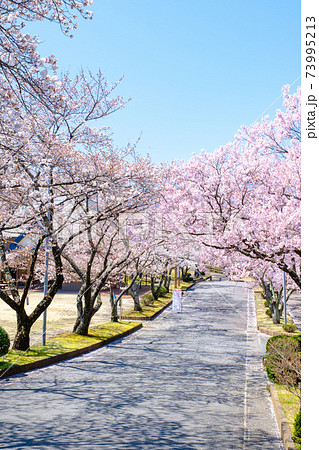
(162, 291)
(280, 337)
(297, 429)
(297, 339)
(266, 304)
(269, 369)
(147, 299)
(188, 278)
(268, 312)
(290, 327)
(4, 342)
(283, 361)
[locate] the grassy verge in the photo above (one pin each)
(184, 285)
(265, 323)
(290, 405)
(147, 311)
(289, 402)
(64, 343)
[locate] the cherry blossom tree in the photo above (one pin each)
(31, 215)
(244, 198)
(21, 65)
(42, 171)
(106, 249)
(45, 128)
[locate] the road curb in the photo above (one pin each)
(282, 422)
(15, 370)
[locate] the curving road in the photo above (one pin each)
(185, 381)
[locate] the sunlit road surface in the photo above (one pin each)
(190, 380)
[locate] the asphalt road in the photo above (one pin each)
(294, 308)
(190, 380)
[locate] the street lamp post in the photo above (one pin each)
(45, 288)
(285, 297)
(46, 264)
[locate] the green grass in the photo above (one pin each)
(64, 343)
(183, 286)
(266, 322)
(289, 402)
(148, 311)
(290, 405)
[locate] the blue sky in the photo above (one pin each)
(196, 69)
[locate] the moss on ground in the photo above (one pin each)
(65, 342)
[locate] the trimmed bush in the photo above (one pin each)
(147, 299)
(4, 342)
(268, 312)
(272, 341)
(298, 339)
(269, 370)
(188, 278)
(290, 327)
(297, 429)
(283, 360)
(162, 291)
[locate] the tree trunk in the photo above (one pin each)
(275, 313)
(184, 272)
(83, 319)
(133, 291)
(113, 302)
(22, 337)
(273, 299)
(25, 322)
(82, 327)
(156, 289)
(86, 310)
(167, 280)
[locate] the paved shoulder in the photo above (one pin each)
(294, 308)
